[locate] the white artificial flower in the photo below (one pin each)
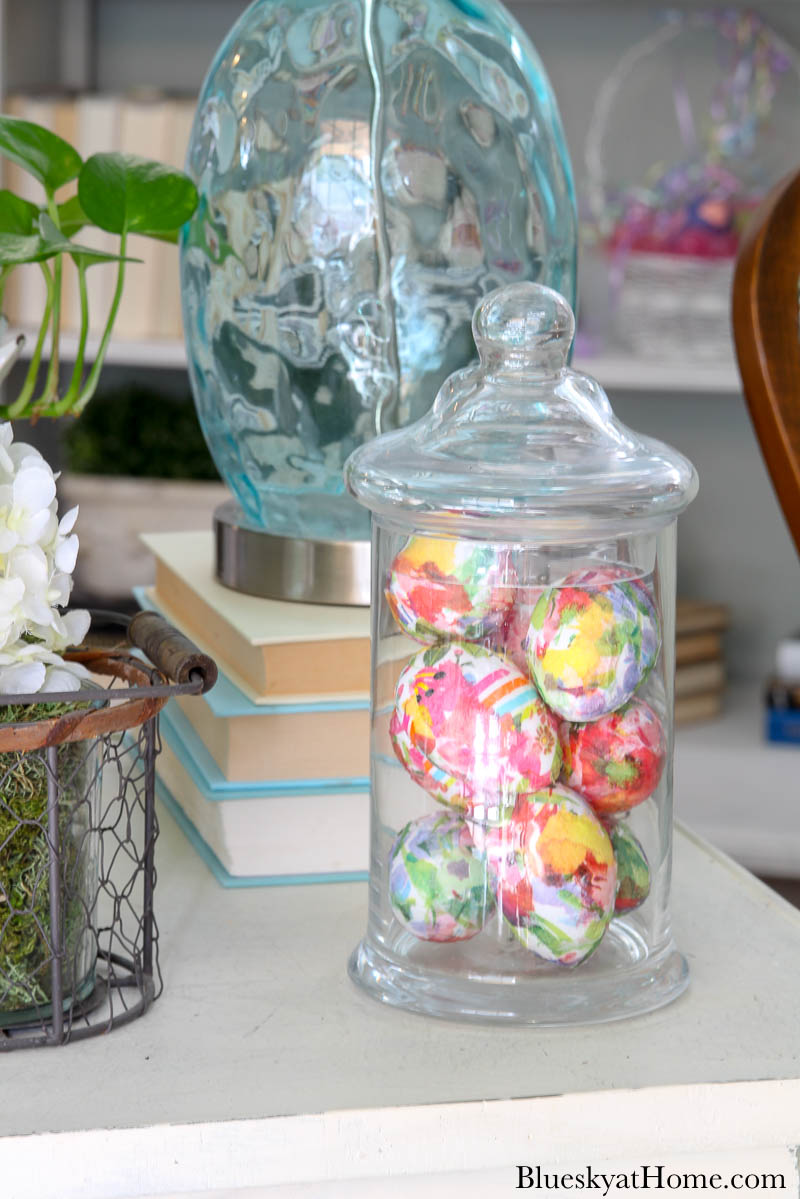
(22, 678)
(27, 501)
(37, 557)
(29, 668)
(6, 437)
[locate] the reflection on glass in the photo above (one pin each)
(367, 171)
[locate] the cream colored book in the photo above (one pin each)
(691, 709)
(26, 292)
(698, 678)
(316, 740)
(65, 124)
(697, 647)
(98, 132)
(700, 616)
(169, 316)
(144, 131)
(268, 648)
(283, 744)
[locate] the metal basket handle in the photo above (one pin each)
(172, 653)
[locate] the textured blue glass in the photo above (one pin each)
(367, 171)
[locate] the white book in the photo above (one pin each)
(98, 125)
(274, 838)
(65, 125)
(26, 292)
(144, 131)
(169, 315)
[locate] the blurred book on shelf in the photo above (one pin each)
(700, 675)
(150, 125)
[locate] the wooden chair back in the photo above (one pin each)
(766, 332)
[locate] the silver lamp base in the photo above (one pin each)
(286, 568)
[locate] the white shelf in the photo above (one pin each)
(624, 372)
(157, 353)
(739, 789)
(618, 371)
(261, 1064)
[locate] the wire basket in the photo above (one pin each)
(78, 828)
(719, 92)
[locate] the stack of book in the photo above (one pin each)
(267, 774)
(147, 124)
(699, 662)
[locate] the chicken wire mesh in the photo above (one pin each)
(78, 828)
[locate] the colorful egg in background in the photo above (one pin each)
(615, 762)
(438, 885)
(633, 869)
(590, 648)
(478, 721)
(553, 873)
(511, 639)
(441, 588)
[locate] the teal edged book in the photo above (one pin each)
(309, 742)
(266, 834)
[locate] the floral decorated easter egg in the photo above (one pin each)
(477, 720)
(441, 588)
(437, 782)
(590, 648)
(553, 873)
(633, 869)
(615, 762)
(438, 884)
(512, 635)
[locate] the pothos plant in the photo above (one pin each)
(118, 193)
(121, 195)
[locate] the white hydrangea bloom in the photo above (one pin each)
(37, 557)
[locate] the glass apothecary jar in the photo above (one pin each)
(523, 662)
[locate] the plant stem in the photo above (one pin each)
(91, 383)
(19, 407)
(73, 391)
(51, 382)
(50, 393)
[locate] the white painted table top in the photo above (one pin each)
(261, 1062)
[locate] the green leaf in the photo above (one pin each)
(43, 154)
(171, 238)
(71, 217)
(17, 215)
(59, 244)
(125, 194)
(16, 249)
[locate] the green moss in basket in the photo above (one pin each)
(140, 433)
(25, 954)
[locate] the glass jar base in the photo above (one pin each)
(33, 1015)
(545, 998)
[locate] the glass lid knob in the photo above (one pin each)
(524, 326)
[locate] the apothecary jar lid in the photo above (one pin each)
(520, 445)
